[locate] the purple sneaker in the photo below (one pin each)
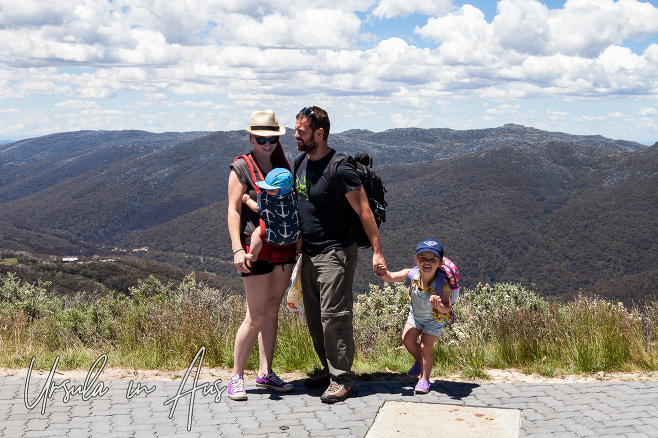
(422, 387)
(415, 370)
(272, 381)
(236, 388)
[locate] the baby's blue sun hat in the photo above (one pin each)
(278, 178)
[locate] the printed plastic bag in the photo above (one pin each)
(294, 299)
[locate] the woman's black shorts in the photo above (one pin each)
(262, 267)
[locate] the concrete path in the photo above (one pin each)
(107, 409)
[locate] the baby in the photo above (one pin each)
(277, 207)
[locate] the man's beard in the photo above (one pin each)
(307, 146)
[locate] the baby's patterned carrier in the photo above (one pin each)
(279, 218)
(279, 215)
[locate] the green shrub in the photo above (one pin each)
(379, 318)
(162, 326)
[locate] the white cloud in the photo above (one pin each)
(34, 12)
(401, 121)
(553, 114)
(590, 118)
(521, 25)
(77, 104)
(615, 59)
(404, 8)
(650, 111)
(529, 51)
(465, 37)
(504, 109)
(102, 112)
(339, 29)
(581, 27)
(155, 55)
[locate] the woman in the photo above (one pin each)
(265, 280)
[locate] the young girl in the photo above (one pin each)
(431, 305)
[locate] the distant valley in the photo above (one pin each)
(568, 214)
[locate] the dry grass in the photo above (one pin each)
(162, 327)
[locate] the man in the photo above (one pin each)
(329, 251)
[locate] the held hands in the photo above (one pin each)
(378, 264)
(384, 274)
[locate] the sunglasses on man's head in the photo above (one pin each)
(263, 140)
(308, 112)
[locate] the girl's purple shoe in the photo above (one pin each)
(415, 370)
(422, 387)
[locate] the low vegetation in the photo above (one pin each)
(162, 326)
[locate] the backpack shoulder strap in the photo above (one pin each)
(331, 170)
(298, 162)
(411, 274)
(252, 165)
(338, 159)
(439, 279)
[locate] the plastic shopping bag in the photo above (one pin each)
(294, 299)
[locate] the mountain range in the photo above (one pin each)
(569, 214)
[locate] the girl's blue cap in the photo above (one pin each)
(430, 245)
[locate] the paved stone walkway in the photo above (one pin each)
(149, 409)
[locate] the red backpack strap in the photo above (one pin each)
(252, 165)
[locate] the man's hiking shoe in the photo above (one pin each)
(415, 370)
(236, 388)
(422, 387)
(336, 393)
(320, 380)
(272, 381)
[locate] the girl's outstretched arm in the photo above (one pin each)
(391, 277)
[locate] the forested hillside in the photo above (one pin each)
(511, 204)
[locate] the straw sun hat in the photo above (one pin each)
(264, 124)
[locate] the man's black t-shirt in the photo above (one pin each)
(325, 225)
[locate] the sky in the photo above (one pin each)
(576, 66)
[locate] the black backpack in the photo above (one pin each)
(372, 184)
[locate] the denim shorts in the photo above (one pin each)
(427, 325)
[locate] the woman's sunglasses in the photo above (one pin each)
(263, 140)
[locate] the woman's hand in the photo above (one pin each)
(240, 261)
(236, 189)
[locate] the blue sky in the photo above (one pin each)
(577, 66)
